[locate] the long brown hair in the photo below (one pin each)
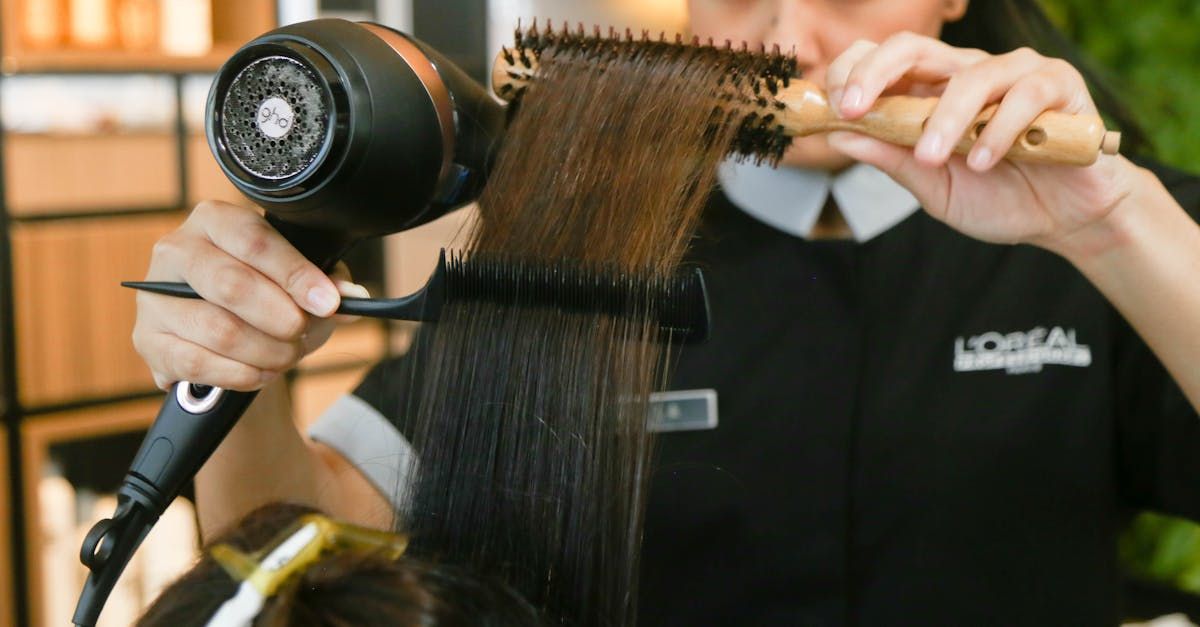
(530, 426)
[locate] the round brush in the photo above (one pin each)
(771, 106)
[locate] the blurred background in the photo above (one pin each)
(102, 150)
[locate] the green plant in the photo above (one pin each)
(1150, 52)
(1162, 548)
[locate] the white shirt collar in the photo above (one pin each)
(791, 199)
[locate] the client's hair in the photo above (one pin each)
(347, 588)
(529, 422)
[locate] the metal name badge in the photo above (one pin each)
(683, 410)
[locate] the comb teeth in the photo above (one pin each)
(677, 302)
(751, 81)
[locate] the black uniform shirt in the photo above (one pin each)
(916, 429)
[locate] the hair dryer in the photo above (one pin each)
(340, 131)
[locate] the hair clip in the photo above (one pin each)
(264, 572)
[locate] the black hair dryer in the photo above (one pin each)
(340, 131)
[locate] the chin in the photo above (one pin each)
(814, 153)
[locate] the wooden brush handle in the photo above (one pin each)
(1052, 138)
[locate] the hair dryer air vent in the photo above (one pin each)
(275, 117)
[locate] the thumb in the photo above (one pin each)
(353, 290)
(927, 183)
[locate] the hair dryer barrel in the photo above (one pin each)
(350, 127)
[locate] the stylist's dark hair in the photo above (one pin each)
(342, 589)
(999, 26)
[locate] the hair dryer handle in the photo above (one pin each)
(193, 421)
(189, 427)
(321, 246)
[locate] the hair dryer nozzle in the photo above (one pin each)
(351, 127)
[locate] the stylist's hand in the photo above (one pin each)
(1061, 208)
(265, 306)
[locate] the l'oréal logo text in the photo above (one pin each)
(1021, 351)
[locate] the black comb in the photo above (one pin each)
(678, 302)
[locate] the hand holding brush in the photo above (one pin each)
(1009, 149)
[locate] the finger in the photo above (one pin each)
(173, 359)
(225, 334)
(318, 333)
(905, 54)
(966, 94)
(225, 281)
(928, 184)
(839, 70)
(341, 272)
(1029, 97)
(353, 290)
(249, 238)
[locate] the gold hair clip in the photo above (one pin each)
(292, 551)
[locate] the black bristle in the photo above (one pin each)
(750, 70)
(677, 302)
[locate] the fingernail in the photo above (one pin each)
(930, 146)
(322, 301)
(835, 100)
(980, 158)
(354, 290)
(852, 99)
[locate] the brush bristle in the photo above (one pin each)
(752, 77)
(677, 302)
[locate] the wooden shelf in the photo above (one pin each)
(73, 317)
(73, 172)
(234, 22)
(72, 320)
(6, 540)
(112, 61)
(37, 436)
(205, 179)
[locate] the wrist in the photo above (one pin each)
(1129, 222)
